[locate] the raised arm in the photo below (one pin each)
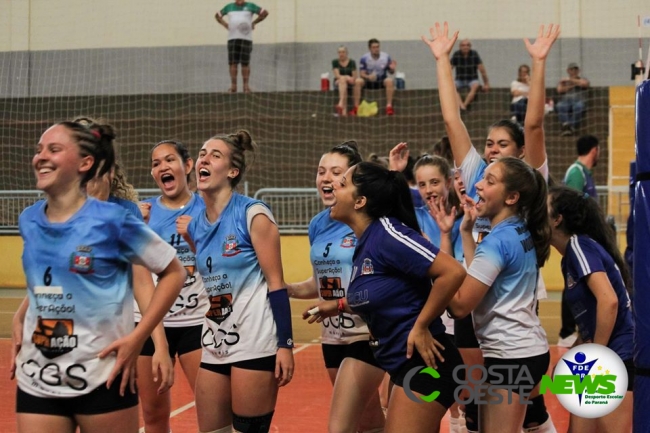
(535, 154)
(441, 46)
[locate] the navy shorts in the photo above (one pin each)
(180, 340)
(464, 334)
(335, 353)
(239, 51)
(425, 384)
(260, 364)
(98, 401)
(537, 367)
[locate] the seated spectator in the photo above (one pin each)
(519, 91)
(468, 64)
(374, 69)
(571, 104)
(345, 74)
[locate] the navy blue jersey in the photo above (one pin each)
(583, 257)
(390, 285)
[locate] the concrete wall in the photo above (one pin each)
(75, 47)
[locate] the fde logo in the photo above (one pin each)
(589, 380)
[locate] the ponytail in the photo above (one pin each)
(387, 193)
(581, 215)
(531, 207)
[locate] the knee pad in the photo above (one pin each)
(536, 414)
(252, 424)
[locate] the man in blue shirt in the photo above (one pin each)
(376, 69)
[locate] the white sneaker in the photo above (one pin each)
(567, 341)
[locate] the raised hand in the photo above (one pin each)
(444, 217)
(398, 157)
(544, 42)
(470, 214)
(440, 43)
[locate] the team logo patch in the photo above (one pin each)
(54, 337)
(82, 260)
(348, 241)
(367, 268)
(220, 307)
(330, 288)
(230, 246)
(570, 281)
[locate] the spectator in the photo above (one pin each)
(578, 175)
(240, 26)
(519, 91)
(572, 99)
(468, 63)
(374, 69)
(345, 73)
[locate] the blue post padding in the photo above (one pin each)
(642, 274)
(629, 230)
(641, 299)
(641, 420)
(642, 119)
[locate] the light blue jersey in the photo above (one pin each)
(239, 323)
(430, 228)
(505, 320)
(79, 291)
(332, 246)
(192, 303)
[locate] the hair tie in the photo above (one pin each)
(585, 196)
(96, 133)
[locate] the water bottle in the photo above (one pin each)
(400, 83)
(325, 82)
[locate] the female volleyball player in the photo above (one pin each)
(501, 283)
(79, 347)
(171, 166)
(345, 339)
(246, 338)
(595, 280)
(391, 287)
(505, 138)
(114, 188)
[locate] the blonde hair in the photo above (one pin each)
(120, 187)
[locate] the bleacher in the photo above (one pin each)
(293, 129)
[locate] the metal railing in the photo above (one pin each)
(292, 208)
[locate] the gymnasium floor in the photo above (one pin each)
(302, 405)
